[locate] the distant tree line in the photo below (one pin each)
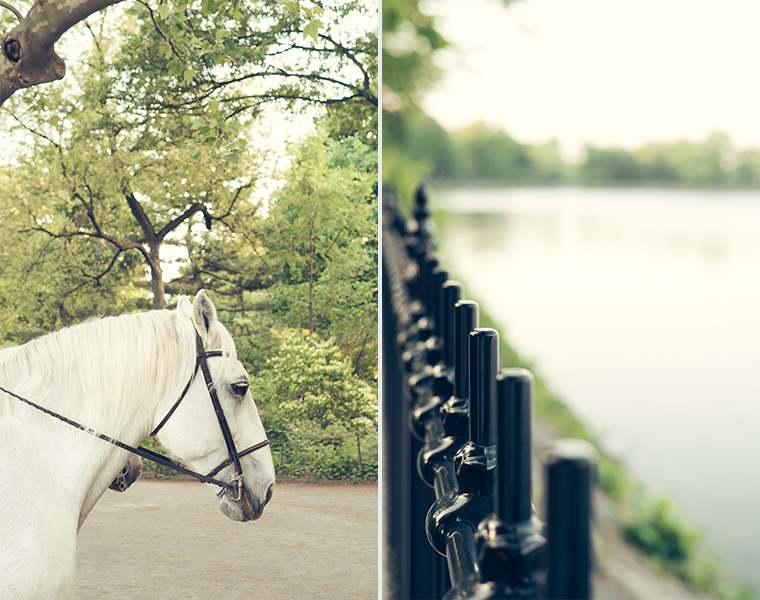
(484, 153)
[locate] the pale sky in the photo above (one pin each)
(607, 72)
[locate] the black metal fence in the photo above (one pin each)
(459, 521)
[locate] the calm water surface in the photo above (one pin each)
(641, 308)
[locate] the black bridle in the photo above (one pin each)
(235, 483)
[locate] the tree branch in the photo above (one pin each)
(176, 222)
(27, 57)
(13, 9)
(337, 235)
(140, 216)
(97, 278)
(110, 239)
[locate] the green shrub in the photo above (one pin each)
(308, 451)
(318, 415)
(612, 478)
(658, 533)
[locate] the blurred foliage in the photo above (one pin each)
(482, 153)
(153, 445)
(657, 532)
(672, 545)
(410, 40)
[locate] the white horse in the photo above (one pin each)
(119, 376)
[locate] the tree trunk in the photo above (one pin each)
(157, 278)
(311, 277)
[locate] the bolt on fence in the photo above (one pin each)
(459, 521)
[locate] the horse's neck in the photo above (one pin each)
(76, 464)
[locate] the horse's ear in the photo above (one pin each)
(204, 312)
(184, 306)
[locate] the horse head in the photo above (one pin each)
(194, 433)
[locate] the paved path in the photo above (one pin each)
(167, 540)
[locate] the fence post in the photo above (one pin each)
(510, 541)
(570, 471)
(455, 411)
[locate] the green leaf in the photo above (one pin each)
(312, 29)
(188, 75)
(232, 127)
(175, 68)
(136, 10)
(292, 5)
(208, 6)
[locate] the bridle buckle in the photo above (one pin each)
(231, 485)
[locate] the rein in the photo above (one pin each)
(234, 455)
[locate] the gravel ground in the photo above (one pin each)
(167, 540)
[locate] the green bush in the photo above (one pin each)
(318, 415)
(657, 532)
(308, 451)
(612, 478)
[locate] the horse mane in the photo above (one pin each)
(107, 371)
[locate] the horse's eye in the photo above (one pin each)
(239, 388)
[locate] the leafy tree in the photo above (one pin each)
(322, 240)
(41, 290)
(546, 163)
(431, 145)
(313, 380)
(489, 153)
(657, 164)
(409, 41)
(97, 175)
(308, 383)
(605, 165)
(748, 168)
(223, 64)
(310, 264)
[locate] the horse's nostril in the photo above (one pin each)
(269, 494)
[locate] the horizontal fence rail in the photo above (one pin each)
(459, 518)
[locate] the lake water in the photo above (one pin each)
(641, 309)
